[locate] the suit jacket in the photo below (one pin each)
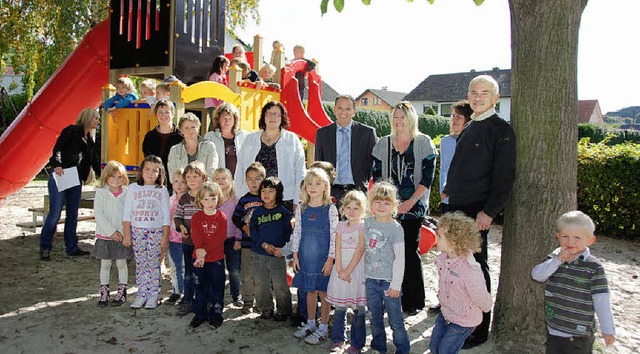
(363, 139)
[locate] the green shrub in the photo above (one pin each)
(608, 187)
(19, 101)
(433, 125)
(597, 134)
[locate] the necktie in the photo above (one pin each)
(343, 154)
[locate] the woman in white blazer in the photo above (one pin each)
(226, 135)
(192, 145)
(279, 150)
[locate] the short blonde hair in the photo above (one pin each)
(111, 168)
(354, 196)
(210, 188)
(149, 84)
(189, 117)
(196, 167)
(410, 116)
(177, 173)
(385, 191)
(327, 167)
(575, 218)
(313, 173)
(85, 117)
(461, 232)
(231, 192)
(131, 88)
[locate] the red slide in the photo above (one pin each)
(25, 147)
(303, 123)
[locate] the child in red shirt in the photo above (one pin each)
(208, 232)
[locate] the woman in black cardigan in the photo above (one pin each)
(74, 148)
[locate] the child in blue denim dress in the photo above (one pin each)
(314, 251)
(384, 267)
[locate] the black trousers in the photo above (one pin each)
(413, 282)
(482, 330)
(573, 345)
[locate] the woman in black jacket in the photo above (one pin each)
(159, 140)
(73, 149)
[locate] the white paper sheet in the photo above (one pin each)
(68, 179)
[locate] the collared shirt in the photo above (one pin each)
(484, 115)
(343, 177)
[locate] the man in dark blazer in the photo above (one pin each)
(347, 144)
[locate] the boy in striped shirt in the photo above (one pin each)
(576, 288)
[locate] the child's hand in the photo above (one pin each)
(296, 264)
(278, 252)
(184, 232)
(200, 253)
(199, 262)
(393, 293)
(126, 241)
(326, 269)
(116, 236)
(609, 339)
(237, 245)
(164, 244)
(564, 255)
(343, 275)
(247, 230)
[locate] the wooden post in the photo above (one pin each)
(176, 92)
(278, 62)
(257, 53)
(235, 75)
(107, 91)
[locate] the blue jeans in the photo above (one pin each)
(71, 198)
(378, 301)
(448, 337)
(187, 251)
(232, 261)
(358, 330)
(209, 282)
(175, 251)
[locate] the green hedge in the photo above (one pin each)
(609, 186)
(597, 134)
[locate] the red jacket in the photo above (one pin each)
(209, 232)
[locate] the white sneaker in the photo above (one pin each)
(138, 303)
(317, 337)
(304, 330)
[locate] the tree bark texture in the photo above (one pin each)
(544, 44)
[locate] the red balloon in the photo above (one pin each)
(427, 239)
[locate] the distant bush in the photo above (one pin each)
(608, 187)
(19, 101)
(597, 134)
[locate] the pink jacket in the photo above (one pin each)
(462, 291)
(174, 236)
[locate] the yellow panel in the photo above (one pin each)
(211, 89)
(252, 102)
(127, 132)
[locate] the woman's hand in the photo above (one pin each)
(406, 206)
(59, 171)
(237, 245)
(326, 268)
(278, 252)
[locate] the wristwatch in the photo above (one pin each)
(414, 199)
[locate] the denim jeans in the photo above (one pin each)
(358, 330)
(209, 282)
(175, 251)
(232, 261)
(271, 273)
(187, 251)
(71, 198)
(378, 301)
(448, 337)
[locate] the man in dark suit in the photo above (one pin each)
(347, 144)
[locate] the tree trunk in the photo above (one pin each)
(544, 44)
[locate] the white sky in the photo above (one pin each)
(398, 44)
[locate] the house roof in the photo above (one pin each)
(454, 87)
(392, 98)
(328, 93)
(585, 109)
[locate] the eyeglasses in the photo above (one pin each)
(274, 114)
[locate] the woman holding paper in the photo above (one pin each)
(73, 154)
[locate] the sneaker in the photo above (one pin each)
(266, 315)
(45, 255)
(280, 317)
(138, 302)
(151, 304)
(184, 309)
(237, 302)
(196, 322)
(246, 308)
(78, 252)
(353, 350)
(304, 330)
(317, 337)
(336, 347)
(173, 298)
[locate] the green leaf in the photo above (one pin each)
(338, 4)
(368, 2)
(478, 2)
(323, 6)
(430, 1)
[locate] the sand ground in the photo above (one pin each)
(51, 306)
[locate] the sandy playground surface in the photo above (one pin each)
(50, 307)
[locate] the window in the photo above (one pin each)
(364, 101)
(445, 109)
(497, 107)
(376, 101)
(427, 108)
